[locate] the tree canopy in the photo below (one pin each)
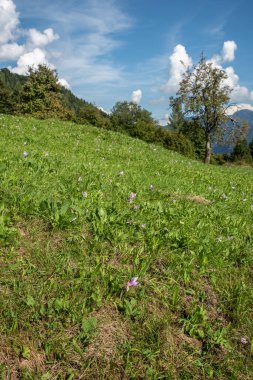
(41, 94)
(131, 118)
(204, 96)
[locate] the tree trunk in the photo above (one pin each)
(208, 150)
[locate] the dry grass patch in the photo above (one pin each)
(194, 198)
(112, 332)
(199, 199)
(13, 361)
(178, 348)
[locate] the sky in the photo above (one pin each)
(136, 50)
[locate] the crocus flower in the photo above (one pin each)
(25, 154)
(243, 340)
(131, 197)
(132, 282)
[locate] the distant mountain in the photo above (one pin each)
(246, 115)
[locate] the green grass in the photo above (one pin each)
(70, 241)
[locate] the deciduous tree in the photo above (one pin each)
(205, 96)
(41, 94)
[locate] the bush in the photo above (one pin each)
(175, 141)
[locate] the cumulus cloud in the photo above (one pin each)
(37, 38)
(239, 93)
(82, 54)
(9, 20)
(32, 52)
(64, 83)
(179, 62)
(227, 54)
(228, 51)
(33, 58)
(136, 96)
(11, 52)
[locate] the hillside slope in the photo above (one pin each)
(85, 210)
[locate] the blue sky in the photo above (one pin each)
(109, 51)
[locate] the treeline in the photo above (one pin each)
(40, 95)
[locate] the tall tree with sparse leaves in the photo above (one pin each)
(205, 98)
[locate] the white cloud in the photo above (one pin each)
(8, 20)
(33, 58)
(239, 93)
(227, 54)
(228, 51)
(136, 96)
(104, 110)
(38, 39)
(164, 120)
(90, 42)
(82, 53)
(104, 17)
(31, 52)
(11, 52)
(238, 107)
(64, 83)
(179, 62)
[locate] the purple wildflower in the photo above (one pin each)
(136, 207)
(131, 197)
(243, 340)
(84, 194)
(132, 282)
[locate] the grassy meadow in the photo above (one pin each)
(82, 211)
